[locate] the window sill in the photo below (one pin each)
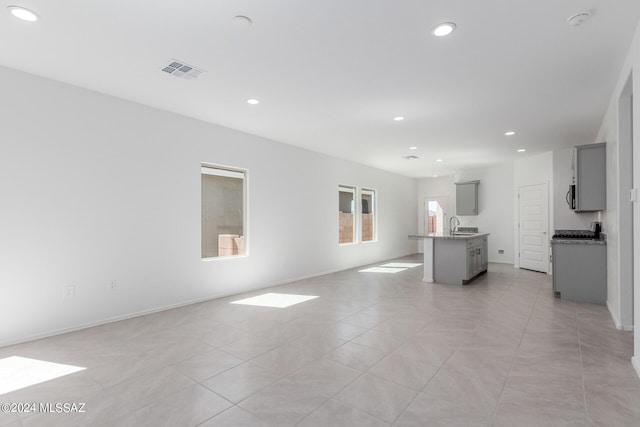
(220, 258)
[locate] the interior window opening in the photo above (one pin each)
(223, 212)
(368, 219)
(346, 215)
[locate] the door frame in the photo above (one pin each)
(625, 245)
(439, 199)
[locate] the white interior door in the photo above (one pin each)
(533, 220)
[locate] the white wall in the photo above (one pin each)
(95, 189)
(611, 226)
(611, 218)
(498, 199)
(495, 199)
(615, 218)
(564, 218)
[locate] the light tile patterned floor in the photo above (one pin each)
(372, 350)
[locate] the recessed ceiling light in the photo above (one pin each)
(398, 118)
(253, 101)
(22, 13)
(438, 160)
(435, 176)
(509, 133)
(443, 29)
(413, 148)
(521, 150)
(242, 21)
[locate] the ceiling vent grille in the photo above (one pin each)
(410, 157)
(182, 70)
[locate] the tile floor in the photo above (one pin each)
(372, 350)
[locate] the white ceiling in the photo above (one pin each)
(331, 75)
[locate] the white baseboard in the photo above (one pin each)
(616, 320)
(613, 315)
(79, 327)
(636, 364)
(140, 313)
(82, 326)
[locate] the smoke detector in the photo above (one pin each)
(242, 21)
(182, 70)
(578, 19)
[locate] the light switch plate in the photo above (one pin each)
(633, 195)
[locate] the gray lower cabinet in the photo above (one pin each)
(457, 261)
(485, 253)
(477, 261)
(474, 261)
(472, 265)
(580, 272)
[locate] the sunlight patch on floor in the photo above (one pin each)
(402, 264)
(19, 372)
(275, 300)
(388, 270)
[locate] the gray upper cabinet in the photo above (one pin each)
(467, 198)
(591, 177)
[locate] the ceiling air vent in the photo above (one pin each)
(182, 70)
(410, 157)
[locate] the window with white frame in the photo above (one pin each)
(346, 214)
(367, 215)
(223, 211)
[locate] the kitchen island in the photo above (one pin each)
(454, 259)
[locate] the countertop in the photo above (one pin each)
(557, 241)
(448, 236)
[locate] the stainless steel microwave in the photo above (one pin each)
(571, 197)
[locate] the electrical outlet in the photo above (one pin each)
(68, 291)
(114, 285)
(501, 251)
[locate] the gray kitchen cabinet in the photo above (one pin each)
(467, 198)
(474, 257)
(472, 265)
(479, 256)
(450, 261)
(591, 177)
(580, 271)
(458, 260)
(485, 253)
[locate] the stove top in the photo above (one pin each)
(574, 234)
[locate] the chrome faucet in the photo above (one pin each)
(452, 229)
